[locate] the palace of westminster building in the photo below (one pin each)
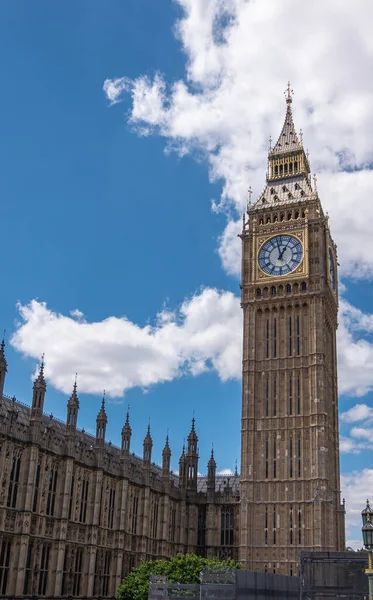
(77, 513)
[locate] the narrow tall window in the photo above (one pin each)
(65, 572)
(274, 338)
(299, 526)
(298, 335)
(201, 533)
(83, 501)
(291, 458)
(78, 572)
(106, 573)
(14, 481)
(172, 526)
(28, 570)
(291, 525)
(274, 396)
(4, 565)
(227, 526)
(290, 337)
(298, 395)
(135, 508)
(266, 459)
(290, 395)
(154, 523)
(112, 508)
(274, 524)
(44, 570)
(274, 459)
(299, 457)
(71, 498)
(36, 492)
(267, 338)
(266, 527)
(267, 397)
(51, 493)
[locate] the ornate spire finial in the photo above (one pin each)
(288, 93)
(75, 383)
(2, 348)
(301, 136)
(103, 401)
(235, 469)
(315, 182)
(250, 193)
(270, 143)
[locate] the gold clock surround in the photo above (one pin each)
(260, 239)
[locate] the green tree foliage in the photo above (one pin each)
(183, 568)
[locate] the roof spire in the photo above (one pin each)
(288, 93)
(40, 378)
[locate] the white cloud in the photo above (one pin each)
(227, 472)
(239, 56)
(356, 487)
(359, 412)
(113, 88)
(355, 352)
(116, 354)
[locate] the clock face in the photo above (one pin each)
(331, 269)
(280, 255)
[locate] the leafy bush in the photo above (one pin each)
(183, 568)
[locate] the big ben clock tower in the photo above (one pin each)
(290, 488)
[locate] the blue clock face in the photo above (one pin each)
(331, 269)
(280, 255)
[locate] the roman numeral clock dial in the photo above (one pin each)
(280, 255)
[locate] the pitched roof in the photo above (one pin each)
(288, 139)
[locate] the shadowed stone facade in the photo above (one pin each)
(78, 513)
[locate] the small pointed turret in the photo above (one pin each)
(192, 458)
(3, 365)
(72, 409)
(182, 469)
(101, 423)
(148, 445)
(38, 396)
(166, 459)
(211, 473)
(126, 434)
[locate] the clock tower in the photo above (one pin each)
(290, 484)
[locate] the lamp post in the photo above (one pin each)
(367, 530)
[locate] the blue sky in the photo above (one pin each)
(129, 134)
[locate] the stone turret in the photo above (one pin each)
(72, 410)
(101, 423)
(182, 469)
(148, 446)
(166, 460)
(126, 434)
(211, 474)
(192, 459)
(3, 366)
(38, 395)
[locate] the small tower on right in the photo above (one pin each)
(3, 366)
(290, 480)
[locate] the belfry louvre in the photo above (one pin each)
(78, 513)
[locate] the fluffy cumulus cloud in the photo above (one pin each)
(116, 354)
(239, 56)
(355, 488)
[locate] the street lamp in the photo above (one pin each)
(367, 530)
